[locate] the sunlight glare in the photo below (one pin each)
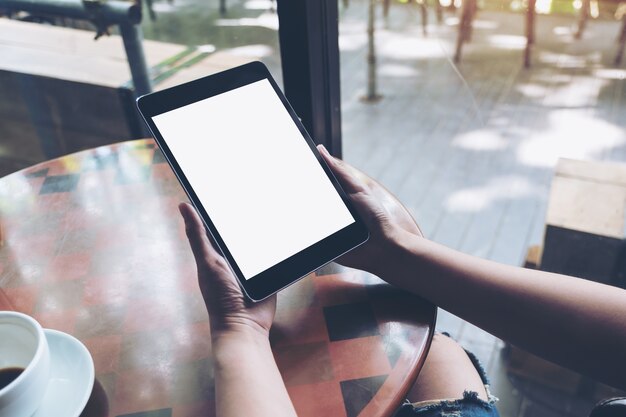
(594, 9)
(517, 5)
(474, 199)
(352, 42)
(562, 30)
(257, 51)
(267, 20)
(208, 48)
(406, 48)
(610, 73)
(572, 134)
(258, 5)
(577, 92)
(480, 140)
(485, 24)
(163, 7)
(452, 21)
(532, 90)
(543, 6)
(508, 41)
(562, 60)
(396, 70)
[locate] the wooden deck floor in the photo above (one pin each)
(470, 149)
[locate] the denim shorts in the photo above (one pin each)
(468, 406)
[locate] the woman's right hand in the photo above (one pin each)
(385, 228)
(229, 311)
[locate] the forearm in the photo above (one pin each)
(247, 380)
(577, 323)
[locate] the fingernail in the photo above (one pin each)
(323, 149)
(181, 209)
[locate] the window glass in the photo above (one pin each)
(53, 70)
(468, 136)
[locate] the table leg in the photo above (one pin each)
(52, 144)
(424, 11)
(582, 18)
(530, 32)
(371, 94)
(622, 42)
(439, 11)
(464, 27)
(151, 12)
(473, 8)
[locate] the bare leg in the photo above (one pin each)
(446, 373)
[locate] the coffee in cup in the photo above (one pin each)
(8, 375)
(24, 364)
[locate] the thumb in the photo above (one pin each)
(343, 172)
(358, 191)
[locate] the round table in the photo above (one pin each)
(92, 244)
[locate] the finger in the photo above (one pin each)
(342, 171)
(201, 246)
(359, 191)
(207, 258)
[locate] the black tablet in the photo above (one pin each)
(254, 175)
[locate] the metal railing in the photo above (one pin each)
(102, 14)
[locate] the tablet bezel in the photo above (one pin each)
(302, 263)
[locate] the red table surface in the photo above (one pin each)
(93, 245)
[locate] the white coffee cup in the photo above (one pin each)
(23, 345)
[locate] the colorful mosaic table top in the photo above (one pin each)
(92, 244)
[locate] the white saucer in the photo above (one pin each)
(71, 377)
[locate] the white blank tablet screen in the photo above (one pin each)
(254, 174)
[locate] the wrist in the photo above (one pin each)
(236, 324)
(400, 256)
(228, 346)
(237, 330)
